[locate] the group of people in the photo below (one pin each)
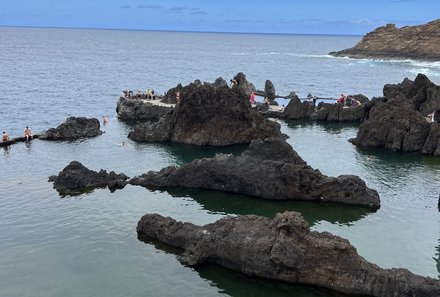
(149, 94)
(27, 134)
(343, 100)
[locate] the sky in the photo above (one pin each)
(355, 17)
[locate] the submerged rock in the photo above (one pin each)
(73, 128)
(76, 178)
(209, 115)
(388, 42)
(398, 121)
(137, 110)
(269, 169)
(284, 249)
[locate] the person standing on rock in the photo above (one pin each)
(343, 99)
(27, 133)
(177, 96)
(252, 98)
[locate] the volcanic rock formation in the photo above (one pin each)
(136, 110)
(398, 121)
(284, 249)
(388, 42)
(298, 110)
(269, 169)
(210, 115)
(76, 178)
(73, 128)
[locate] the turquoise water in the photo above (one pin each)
(87, 245)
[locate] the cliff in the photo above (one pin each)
(388, 42)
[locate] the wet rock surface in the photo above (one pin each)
(73, 128)
(388, 42)
(269, 169)
(210, 115)
(76, 178)
(284, 249)
(398, 121)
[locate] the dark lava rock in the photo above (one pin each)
(207, 115)
(269, 90)
(170, 95)
(398, 121)
(284, 249)
(269, 169)
(244, 85)
(388, 42)
(135, 110)
(73, 128)
(76, 178)
(306, 110)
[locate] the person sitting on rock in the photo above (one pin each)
(5, 136)
(27, 133)
(354, 102)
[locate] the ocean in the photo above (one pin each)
(87, 245)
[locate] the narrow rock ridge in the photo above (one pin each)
(284, 249)
(269, 169)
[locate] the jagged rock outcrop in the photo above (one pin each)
(284, 249)
(207, 115)
(298, 110)
(269, 169)
(170, 95)
(76, 178)
(244, 85)
(388, 42)
(73, 128)
(398, 121)
(269, 90)
(135, 110)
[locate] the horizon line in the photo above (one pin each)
(176, 31)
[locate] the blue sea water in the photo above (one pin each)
(87, 245)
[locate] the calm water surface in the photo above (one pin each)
(87, 245)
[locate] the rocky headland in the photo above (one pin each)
(398, 120)
(284, 249)
(269, 169)
(210, 114)
(388, 42)
(73, 128)
(75, 178)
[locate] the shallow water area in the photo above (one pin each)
(87, 245)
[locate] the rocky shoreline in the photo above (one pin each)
(388, 42)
